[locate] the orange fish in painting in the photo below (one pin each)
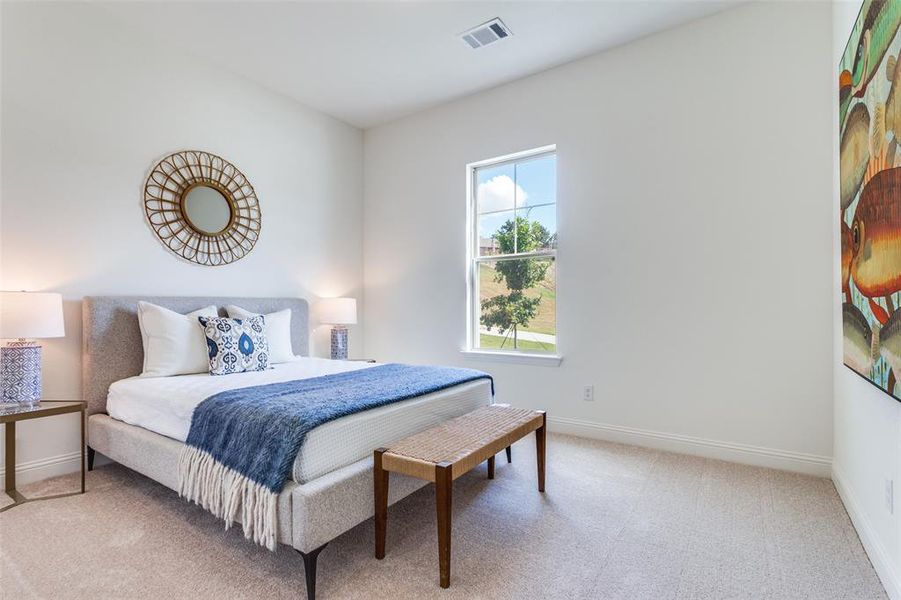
(876, 236)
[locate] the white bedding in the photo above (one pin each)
(165, 405)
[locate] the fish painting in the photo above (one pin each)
(857, 342)
(869, 195)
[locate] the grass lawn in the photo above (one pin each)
(545, 321)
(494, 341)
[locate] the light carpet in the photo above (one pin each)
(616, 522)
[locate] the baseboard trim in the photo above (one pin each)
(811, 464)
(888, 575)
(36, 470)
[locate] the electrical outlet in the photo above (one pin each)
(588, 393)
(890, 496)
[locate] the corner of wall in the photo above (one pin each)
(877, 552)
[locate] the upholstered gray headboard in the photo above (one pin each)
(112, 347)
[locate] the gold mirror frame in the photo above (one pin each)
(165, 192)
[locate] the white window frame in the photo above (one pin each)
(473, 309)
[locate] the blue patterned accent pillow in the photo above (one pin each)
(236, 345)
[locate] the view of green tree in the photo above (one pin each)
(508, 312)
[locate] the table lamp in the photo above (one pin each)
(338, 312)
(25, 316)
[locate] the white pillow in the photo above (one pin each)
(278, 331)
(174, 344)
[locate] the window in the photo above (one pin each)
(513, 253)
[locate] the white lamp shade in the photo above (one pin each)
(338, 311)
(31, 315)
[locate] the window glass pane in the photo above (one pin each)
(517, 305)
(536, 181)
(495, 188)
(537, 229)
(492, 237)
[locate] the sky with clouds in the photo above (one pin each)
(528, 187)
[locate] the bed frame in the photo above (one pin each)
(309, 515)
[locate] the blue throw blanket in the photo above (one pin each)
(242, 443)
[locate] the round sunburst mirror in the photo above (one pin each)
(202, 208)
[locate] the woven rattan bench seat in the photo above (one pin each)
(463, 442)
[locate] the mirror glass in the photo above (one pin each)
(207, 209)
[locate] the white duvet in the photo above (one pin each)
(165, 405)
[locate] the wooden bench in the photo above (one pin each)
(447, 451)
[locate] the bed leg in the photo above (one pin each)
(91, 453)
(509, 454)
(309, 567)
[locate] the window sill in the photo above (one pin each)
(546, 360)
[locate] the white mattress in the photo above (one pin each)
(165, 405)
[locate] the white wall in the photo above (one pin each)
(87, 110)
(695, 271)
(867, 421)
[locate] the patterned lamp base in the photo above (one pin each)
(20, 373)
(339, 343)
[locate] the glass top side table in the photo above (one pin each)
(10, 414)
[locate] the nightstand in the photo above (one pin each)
(10, 414)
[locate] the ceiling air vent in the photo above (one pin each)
(486, 33)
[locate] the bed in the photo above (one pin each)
(141, 423)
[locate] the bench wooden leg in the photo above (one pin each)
(540, 446)
(444, 486)
(491, 468)
(509, 455)
(380, 494)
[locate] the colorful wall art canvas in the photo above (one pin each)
(870, 193)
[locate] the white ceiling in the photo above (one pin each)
(367, 63)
